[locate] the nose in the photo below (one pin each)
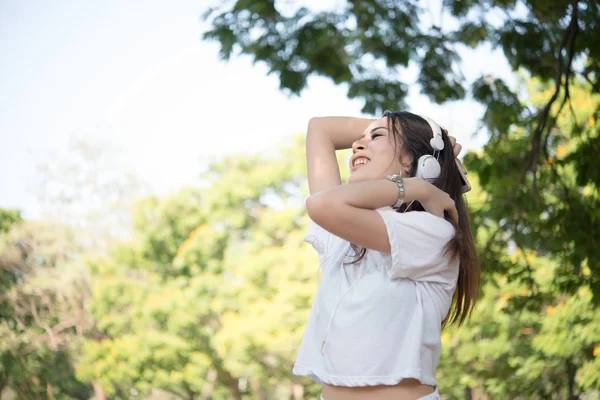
(358, 145)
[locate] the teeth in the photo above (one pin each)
(361, 161)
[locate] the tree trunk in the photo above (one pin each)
(98, 391)
(50, 391)
(468, 393)
(231, 381)
(3, 383)
(571, 371)
(209, 386)
(297, 391)
(258, 389)
(234, 388)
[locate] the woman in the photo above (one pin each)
(397, 255)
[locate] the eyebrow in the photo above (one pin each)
(373, 130)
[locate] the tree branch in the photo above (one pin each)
(586, 76)
(561, 70)
(34, 313)
(51, 332)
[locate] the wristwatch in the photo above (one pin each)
(398, 180)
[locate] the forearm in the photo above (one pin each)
(369, 195)
(340, 131)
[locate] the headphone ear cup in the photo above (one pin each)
(428, 168)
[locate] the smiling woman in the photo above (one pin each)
(374, 328)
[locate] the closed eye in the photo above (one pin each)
(373, 136)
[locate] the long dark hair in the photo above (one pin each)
(414, 134)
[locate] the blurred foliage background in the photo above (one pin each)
(204, 294)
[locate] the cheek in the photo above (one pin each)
(386, 154)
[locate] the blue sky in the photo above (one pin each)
(137, 76)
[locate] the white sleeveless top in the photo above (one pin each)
(378, 321)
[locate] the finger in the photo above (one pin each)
(453, 214)
(462, 167)
(456, 149)
(452, 140)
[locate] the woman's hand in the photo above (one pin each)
(435, 201)
(456, 148)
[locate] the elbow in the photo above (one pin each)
(312, 206)
(313, 124)
(316, 207)
(326, 210)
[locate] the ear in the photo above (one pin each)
(405, 163)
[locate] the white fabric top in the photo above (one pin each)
(378, 321)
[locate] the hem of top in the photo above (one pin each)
(311, 238)
(361, 381)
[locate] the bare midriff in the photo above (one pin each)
(408, 389)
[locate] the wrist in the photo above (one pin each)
(415, 189)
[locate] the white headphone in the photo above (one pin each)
(428, 167)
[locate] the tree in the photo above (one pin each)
(209, 297)
(367, 45)
(8, 218)
(43, 277)
(556, 211)
(42, 315)
(538, 259)
(505, 352)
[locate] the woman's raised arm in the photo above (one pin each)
(325, 135)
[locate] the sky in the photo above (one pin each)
(137, 76)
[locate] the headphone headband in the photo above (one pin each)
(437, 142)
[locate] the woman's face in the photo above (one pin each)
(373, 155)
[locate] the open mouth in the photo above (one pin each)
(360, 161)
